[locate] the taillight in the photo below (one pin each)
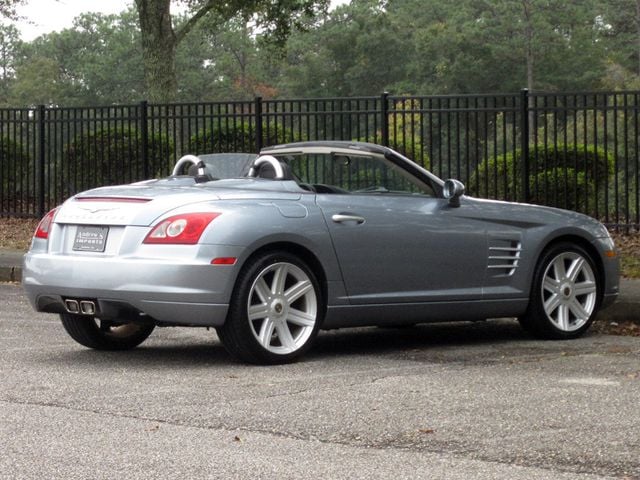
(180, 229)
(44, 227)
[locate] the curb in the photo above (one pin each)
(11, 274)
(624, 310)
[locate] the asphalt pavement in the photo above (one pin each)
(449, 401)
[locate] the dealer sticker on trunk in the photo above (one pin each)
(91, 239)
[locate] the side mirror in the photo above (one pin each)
(452, 190)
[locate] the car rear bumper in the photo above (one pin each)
(177, 292)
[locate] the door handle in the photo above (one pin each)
(342, 218)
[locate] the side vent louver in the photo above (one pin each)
(504, 257)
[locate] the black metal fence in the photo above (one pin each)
(572, 150)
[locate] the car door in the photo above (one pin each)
(405, 248)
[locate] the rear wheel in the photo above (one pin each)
(105, 335)
(565, 293)
(275, 311)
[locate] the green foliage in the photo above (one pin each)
(435, 47)
(15, 167)
(9, 45)
(96, 62)
(618, 26)
(160, 40)
(8, 8)
(471, 46)
(226, 50)
(38, 82)
(224, 60)
(239, 137)
(408, 145)
(354, 51)
(617, 77)
(568, 176)
(404, 132)
(110, 156)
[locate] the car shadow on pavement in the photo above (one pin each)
(460, 341)
(431, 342)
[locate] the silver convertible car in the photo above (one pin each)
(310, 236)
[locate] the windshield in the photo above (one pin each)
(353, 173)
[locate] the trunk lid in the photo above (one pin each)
(141, 205)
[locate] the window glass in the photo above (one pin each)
(227, 165)
(338, 173)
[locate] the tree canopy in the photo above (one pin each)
(212, 50)
(160, 36)
(8, 8)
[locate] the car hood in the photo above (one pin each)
(141, 204)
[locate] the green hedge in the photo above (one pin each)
(566, 176)
(112, 156)
(239, 137)
(409, 147)
(16, 168)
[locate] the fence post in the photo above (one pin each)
(144, 130)
(384, 111)
(258, 120)
(524, 142)
(40, 159)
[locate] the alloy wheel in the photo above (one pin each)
(282, 308)
(569, 291)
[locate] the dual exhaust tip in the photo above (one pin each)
(80, 307)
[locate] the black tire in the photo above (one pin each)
(565, 294)
(284, 320)
(102, 335)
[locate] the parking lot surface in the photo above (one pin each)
(438, 401)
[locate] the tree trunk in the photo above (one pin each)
(638, 32)
(528, 33)
(159, 39)
(158, 49)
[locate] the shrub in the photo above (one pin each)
(567, 176)
(16, 169)
(239, 137)
(112, 156)
(404, 120)
(410, 147)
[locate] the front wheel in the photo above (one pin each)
(275, 310)
(565, 294)
(103, 334)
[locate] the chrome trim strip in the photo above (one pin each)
(508, 262)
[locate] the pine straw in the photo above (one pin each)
(627, 328)
(16, 233)
(628, 246)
